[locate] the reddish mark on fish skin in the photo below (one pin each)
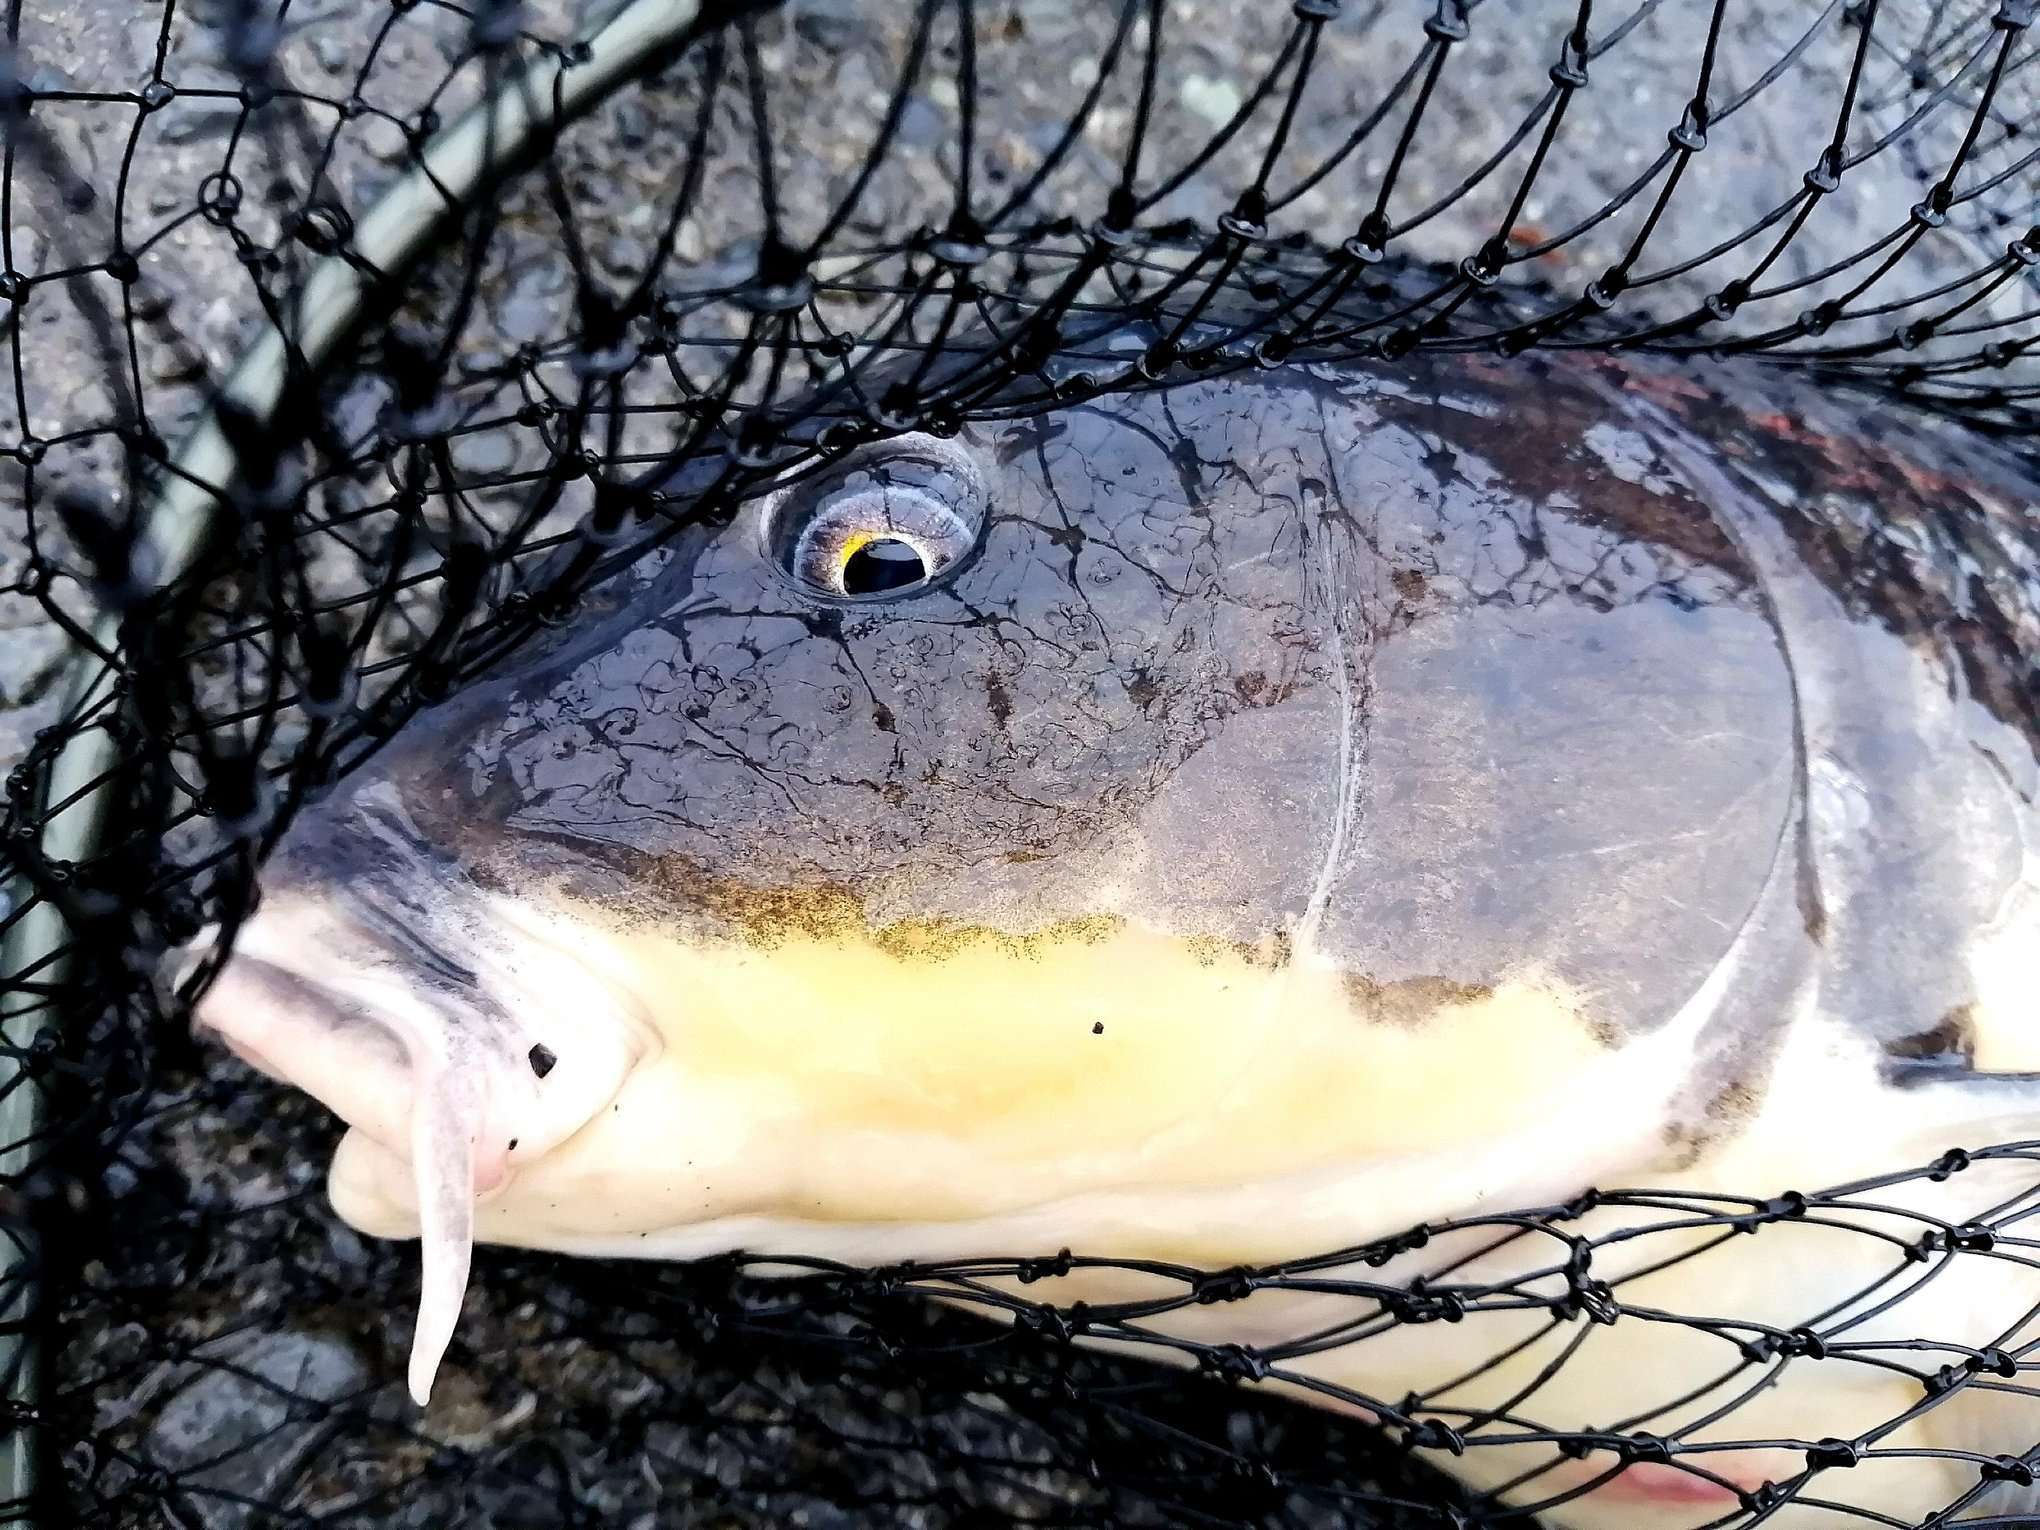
(1717, 1479)
(1526, 237)
(1654, 1482)
(1847, 460)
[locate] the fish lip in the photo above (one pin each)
(305, 960)
(300, 991)
(305, 998)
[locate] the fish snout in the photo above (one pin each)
(441, 1027)
(365, 1023)
(295, 1000)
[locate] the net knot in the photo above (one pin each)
(1954, 1161)
(1158, 360)
(1391, 1248)
(1723, 304)
(2009, 1469)
(1273, 350)
(1801, 1342)
(1818, 319)
(1050, 1325)
(1947, 1379)
(757, 443)
(237, 795)
(1644, 1447)
(1418, 1305)
(1361, 250)
(1224, 1286)
(1077, 385)
(961, 245)
(1691, 133)
(1116, 227)
(219, 197)
(1833, 1452)
(1762, 1498)
(1603, 292)
(1398, 343)
(1589, 1298)
(1242, 227)
(1993, 1360)
(1448, 24)
(1031, 1270)
(1485, 268)
(1369, 241)
(1234, 1363)
(329, 686)
(781, 282)
(1931, 211)
(1430, 1434)
(1826, 174)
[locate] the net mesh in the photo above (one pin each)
(767, 233)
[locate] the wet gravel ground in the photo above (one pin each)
(289, 1331)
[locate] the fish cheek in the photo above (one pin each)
(371, 1187)
(663, 1153)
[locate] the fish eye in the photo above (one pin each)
(887, 520)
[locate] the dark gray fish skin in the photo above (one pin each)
(1570, 719)
(1902, 559)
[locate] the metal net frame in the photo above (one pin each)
(444, 383)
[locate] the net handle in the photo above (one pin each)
(521, 113)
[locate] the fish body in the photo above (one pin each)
(1249, 819)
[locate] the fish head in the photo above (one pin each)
(1211, 826)
(975, 824)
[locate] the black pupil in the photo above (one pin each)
(883, 563)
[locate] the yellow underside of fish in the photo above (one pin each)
(1108, 1054)
(888, 1077)
(854, 1095)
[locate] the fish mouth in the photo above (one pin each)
(275, 1003)
(277, 985)
(458, 1072)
